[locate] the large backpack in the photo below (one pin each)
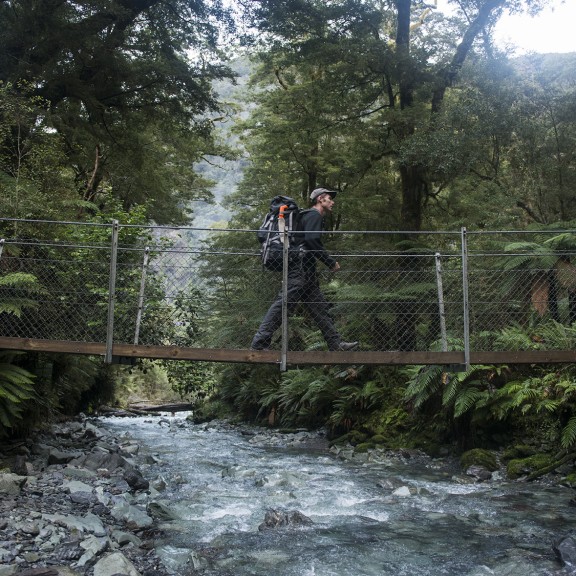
(283, 213)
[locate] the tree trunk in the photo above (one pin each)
(414, 189)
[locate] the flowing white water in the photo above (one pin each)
(391, 517)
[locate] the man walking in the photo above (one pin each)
(303, 285)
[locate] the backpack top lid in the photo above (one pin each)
(278, 201)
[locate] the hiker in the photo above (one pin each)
(303, 285)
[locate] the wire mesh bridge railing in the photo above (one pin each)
(125, 291)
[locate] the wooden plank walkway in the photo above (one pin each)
(126, 352)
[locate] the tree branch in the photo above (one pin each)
(449, 74)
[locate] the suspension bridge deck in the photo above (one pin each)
(126, 352)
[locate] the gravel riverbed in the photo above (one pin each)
(73, 502)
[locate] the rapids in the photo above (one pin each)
(373, 514)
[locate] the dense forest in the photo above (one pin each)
(198, 112)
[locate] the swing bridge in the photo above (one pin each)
(128, 292)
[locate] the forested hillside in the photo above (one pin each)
(197, 113)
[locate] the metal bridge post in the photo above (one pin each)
(284, 344)
(112, 293)
(465, 301)
(141, 294)
(441, 311)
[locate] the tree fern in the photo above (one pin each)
(455, 382)
(16, 288)
(556, 336)
(516, 338)
(569, 433)
(424, 383)
(16, 386)
(468, 399)
(529, 255)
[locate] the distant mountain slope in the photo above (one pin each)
(549, 68)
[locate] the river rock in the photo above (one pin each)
(21, 466)
(101, 460)
(115, 564)
(88, 523)
(565, 549)
(135, 480)
(60, 457)
(131, 515)
(55, 516)
(11, 484)
(276, 518)
(160, 511)
(481, 473)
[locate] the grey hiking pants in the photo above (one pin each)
(303, 286)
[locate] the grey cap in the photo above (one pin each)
(319, 191)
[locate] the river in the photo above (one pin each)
(397, 514)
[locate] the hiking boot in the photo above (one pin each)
(344, 346)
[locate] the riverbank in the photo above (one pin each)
(79, 500)
(74, 503)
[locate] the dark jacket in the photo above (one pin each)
(311, 225)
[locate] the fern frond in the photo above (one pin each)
(565, 241)
(467, 400)
(516, 338)
(425, 382)
(569, 433)
(7, 417)
(15, 306)
(19, 280)
(548, 406)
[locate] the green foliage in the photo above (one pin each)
(460, 392)
(569, 434)
(34, 179)
(538, 396)
(314, 397)
(249, 390)
(112, 99)
(16, 289)
(191, 380)
(145, 381)
(16, 388)
(424, 383)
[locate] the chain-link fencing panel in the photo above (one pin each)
(175, 289)
(208, 289)
(522, 290)
(393, 300)
(55, 289)
(211, 290)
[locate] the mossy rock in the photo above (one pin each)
(479, 457)
(518, 452)
(571, 480)
(378, 439)
(522, 466)
(344, 439)
(363, 447)
(357, 437)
